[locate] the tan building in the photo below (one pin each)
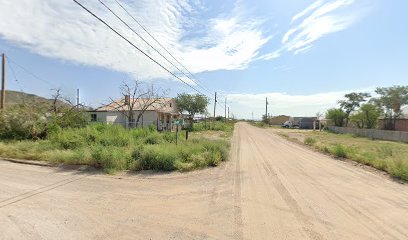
(160, 114)
(278, 120)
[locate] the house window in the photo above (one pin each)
(170, 104)
(93, 117)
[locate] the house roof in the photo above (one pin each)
(164, 105)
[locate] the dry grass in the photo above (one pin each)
(388, 156)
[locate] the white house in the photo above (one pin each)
(161, 114)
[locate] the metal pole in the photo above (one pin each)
(3, 82)
(77, 103)
(215, 105)
(225, 110)
(176, 134)
(266, 109)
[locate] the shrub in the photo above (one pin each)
(385, 151)
(68, 139)
(339, 151)
(110, 158)
(153, 139)
(157, 158)
(310, 141)
(398, 168)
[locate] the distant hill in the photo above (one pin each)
(15, 97)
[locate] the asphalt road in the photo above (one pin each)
(270, 189)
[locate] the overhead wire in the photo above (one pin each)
(144, 40)
(14, 75)
(165, 49)
(29, 72)
(133, 45)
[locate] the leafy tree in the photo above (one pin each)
(352, 102)
(367, 116)
(392, 99)
(192, 105)
(337, 115)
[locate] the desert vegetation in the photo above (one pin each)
(391, 157)
(61, 133)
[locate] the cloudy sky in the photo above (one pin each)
(302, 55)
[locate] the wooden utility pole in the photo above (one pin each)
(228, 112)
(225, 110)
(3, 82)
(77, 102)
(266, 111)
(215, 105)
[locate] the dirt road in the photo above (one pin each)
(271, 189)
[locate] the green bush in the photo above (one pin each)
(114, 148)
(310, 141)
(398, 168)
(339, 151)
(35, 120)
(68, 139)
(110, 158)
(157, 157)
(153, 139)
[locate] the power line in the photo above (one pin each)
(165, 49)
(14, 75)
(29, 72)
(133, 45)
(127, 25)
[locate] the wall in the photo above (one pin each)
(400, 124)
(398, 136)
(148, 118)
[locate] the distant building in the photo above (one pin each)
(307, 122)
(160, 114)
(278, 120)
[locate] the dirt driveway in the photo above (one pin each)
(271, 189)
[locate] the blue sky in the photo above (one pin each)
(302, 55)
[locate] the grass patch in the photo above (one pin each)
(226, 127)
(310, 141)
(339, 151)
(388, 156)
(114, 148)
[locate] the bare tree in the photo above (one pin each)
(138, 98)
(55, 98)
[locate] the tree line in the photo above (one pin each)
(362, 110)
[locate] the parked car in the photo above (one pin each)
(287, 124)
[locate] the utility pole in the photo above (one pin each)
(266, 111)
(228, 112)
(3, 82)
(225, 110)
(215, 105)
(252, 116)
(77, 103)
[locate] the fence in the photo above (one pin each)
(398, 136)
(400, 124)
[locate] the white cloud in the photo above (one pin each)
(62, 30)
(285, 104)
(307, 10)
(318, 20)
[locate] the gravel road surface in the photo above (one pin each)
(270, 189)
